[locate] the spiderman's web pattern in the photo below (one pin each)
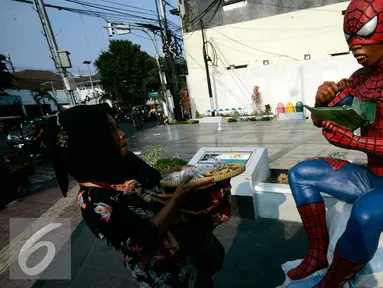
(340, 272)
(368, 85)
(314, 220)
(361, 12)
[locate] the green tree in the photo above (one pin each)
(127, 73)
(41, 95)
(5, 77)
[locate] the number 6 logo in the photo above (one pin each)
(31, 246)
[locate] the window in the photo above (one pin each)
(228, 2)
(233, 4)
(232, 67)
(339, 54)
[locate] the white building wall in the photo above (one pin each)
(283, 40)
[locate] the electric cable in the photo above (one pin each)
(259, 50)
(129, 6)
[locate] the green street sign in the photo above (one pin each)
(153, 94)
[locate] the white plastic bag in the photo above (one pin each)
(371, 276)
(195, 172)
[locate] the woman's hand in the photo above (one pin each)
(164, 218)
(185, 188)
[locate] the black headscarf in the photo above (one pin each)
(91, 154)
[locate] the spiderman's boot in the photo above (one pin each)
(340, 272)
(314, 220)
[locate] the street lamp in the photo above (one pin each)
(90, 75)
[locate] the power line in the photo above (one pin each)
(259, 50)
(129, 6)
(202, 14)
(108, 8)
(291, 7)
(242, 51)
(140, 36)
(195, 22)
(118, 11)
(274, 5)
(215, 12)
(167, 3)
(239, 79)
(106, 16)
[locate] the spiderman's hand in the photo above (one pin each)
(339, 136)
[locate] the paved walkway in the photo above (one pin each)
(255, 249)
(288, 142)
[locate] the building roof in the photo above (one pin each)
(85, 79)
(29, 79)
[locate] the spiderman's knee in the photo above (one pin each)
(366, 214)
(300, 171)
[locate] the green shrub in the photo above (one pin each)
(267, 109)
(236, 115)
(178, 122)
(155, 152)
(197, 115)
(269, 118)
(193, 121)
(154, 158)
(184, 122)
(252, 119)
(164, 165)
(232, 120)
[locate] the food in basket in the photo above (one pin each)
(224, 170)
(219, 171)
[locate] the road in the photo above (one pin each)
(43, 169)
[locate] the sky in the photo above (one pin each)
(83, 36)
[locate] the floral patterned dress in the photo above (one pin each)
(188, 256)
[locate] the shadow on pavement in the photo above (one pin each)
(256, 250)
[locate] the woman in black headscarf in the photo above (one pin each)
(162, 247)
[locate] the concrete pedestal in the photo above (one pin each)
(276, 201)
(292, 116)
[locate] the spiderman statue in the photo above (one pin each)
(362, 186)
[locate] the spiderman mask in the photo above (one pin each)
(363, 22)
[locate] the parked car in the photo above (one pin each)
(123, 116)
(15, 166)
(15, 139)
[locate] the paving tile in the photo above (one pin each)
(264, 239)
(31, 206)
(284, 163)
(306, 150)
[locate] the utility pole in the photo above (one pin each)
(9, 60)
(207, 68)
(90, 76)
(166, 41)
(52, 45)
